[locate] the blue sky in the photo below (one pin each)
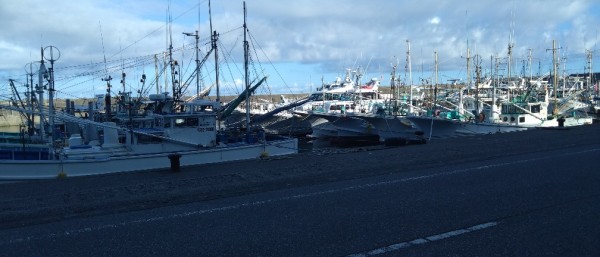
(297, 43)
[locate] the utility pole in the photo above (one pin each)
(42, 75)
(53, 55)
(107, 102)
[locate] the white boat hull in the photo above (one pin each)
(443, 128)
(24, 169)
(435, 127)
(487, 128)
(349, 127)
(324, 130)
(391, 127)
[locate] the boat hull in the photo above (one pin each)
(487, 128)
(435, 127)
(45, 169)
(391, 127)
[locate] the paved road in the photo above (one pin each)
(540, 204)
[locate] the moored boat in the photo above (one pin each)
(160, 132)
(157, 142)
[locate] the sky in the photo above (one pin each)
(298, 44)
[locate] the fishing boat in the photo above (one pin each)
(157, 141)
(158, 133)
(527, 110)
(365, 115)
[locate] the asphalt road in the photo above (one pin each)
(535, 204)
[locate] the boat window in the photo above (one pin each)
(535, 108)
(511, 109)
(192, 122)
(203, 108)
(521, 119)
(186, 122)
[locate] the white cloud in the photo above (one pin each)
(330, 33)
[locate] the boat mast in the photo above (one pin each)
(589, 67)
(395, 97)
(31, 97)
(460, 107)
(436, 81)
(494, 115)
(323, 91)
(510, 46)
(198, 87)
(554, 78)
(197, 70)
(123, 81)
(213, 39)
(477, 81)
(468, 65)
(156, 74)
(529, 61)
(246, 49)
(174, 65)
(410, 97)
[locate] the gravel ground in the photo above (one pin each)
(32, 202)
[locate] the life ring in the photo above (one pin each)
(436, 113)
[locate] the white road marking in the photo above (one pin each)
(263, 202)
(421, 241)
